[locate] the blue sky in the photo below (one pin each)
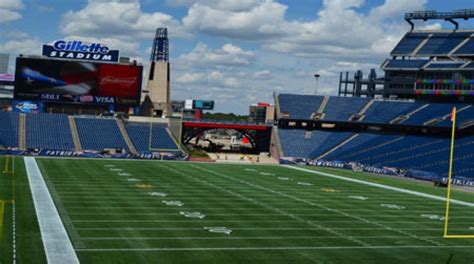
(236, 52)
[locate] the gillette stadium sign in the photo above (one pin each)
(78, 50)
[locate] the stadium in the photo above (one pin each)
(99, 165)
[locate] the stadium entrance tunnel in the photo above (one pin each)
(258, 135)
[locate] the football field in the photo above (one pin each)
(123, 211)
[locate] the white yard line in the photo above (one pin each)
(14, 232)
(294, 198)
(273, 214)
(266, 248)
(245, 221)
(275, 209)
(382, 186)
(57, 246)
(253, 228)
(237, 238)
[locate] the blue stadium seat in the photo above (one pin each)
(299, 106)
(442, 43)
(466, 49)
(139, 133)
(342, 108)
(99, 134)
(9, 129)
(295, 144)
(386, 111)
(428, 113)
(461, 117)
(470, 66)
(48, 131)
(408, 43)
(439, 65)
(405, 64)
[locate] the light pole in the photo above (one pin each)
(316, 76)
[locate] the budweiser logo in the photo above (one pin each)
(118, 81)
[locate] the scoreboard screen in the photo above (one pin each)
(203, 104)
(77, 82)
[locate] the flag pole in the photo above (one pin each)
(446, 218)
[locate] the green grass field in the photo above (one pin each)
(177, 212)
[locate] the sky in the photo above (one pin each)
(236, 52)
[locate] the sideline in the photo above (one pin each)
(382, 186)
(57, 246)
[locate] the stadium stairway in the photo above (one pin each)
(125, 136)
(22, 132)
(460, 45)
(275, 145)
(277, 106)
(445, 117)
(403, 118)
(349, 139)
(361, 113)
(320, 112)
(75, 134)
(350, 155)
(421, 45)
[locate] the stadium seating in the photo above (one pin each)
(363, 140)
(299, 106)
(437, 43)
(428, 113)
(385, 111)
(445, 65)
(9, 129)
(463, 116)
(49, 131)
(99, 134)
(442, 43)
(405, 64)
(342, 108)
(469, 66)
(296, 144)
(409, 43)
(139, 133)
(466, 49)
(420, 153)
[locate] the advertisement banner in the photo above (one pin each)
(5, 77)
(27, 107)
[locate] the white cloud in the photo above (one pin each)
(230, 5)
(9, 10)
(434, 26)
(211, 79)
(338, 30)
(11, 4)
(119, 19)
(190, 78)
(265, 74)
(258, 22)
(29, 46)
(228, 55)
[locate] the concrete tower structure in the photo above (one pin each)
(159, 74)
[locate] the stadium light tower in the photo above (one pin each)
(160, 49)
(159, 73)
(316, 76)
